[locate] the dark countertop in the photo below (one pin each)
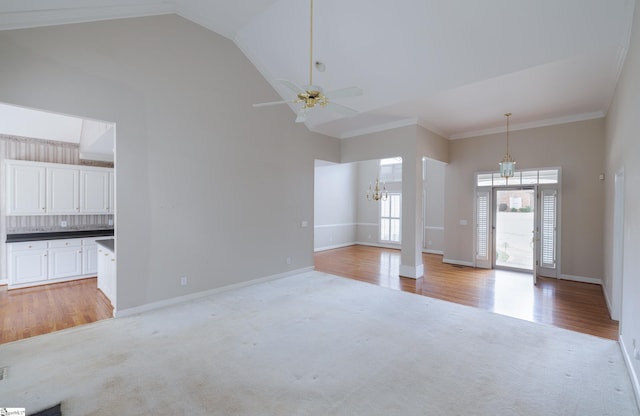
(58, 235)
(107, 243)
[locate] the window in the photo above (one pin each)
(524, 177)
(390, 218)
(391, 169)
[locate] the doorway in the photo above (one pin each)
(514, 228)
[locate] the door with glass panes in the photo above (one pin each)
(544, 236)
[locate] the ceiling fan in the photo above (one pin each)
(312, 95)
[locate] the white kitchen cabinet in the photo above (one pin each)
(26, 188)
(112, 184)
(63, 190)
(94, 191)
(65, 258)
(38, 188)
(48, 261)
(27, 262)
(89, 256)
(107, 273)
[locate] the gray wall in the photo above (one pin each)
(335, 206)
(576, 147)
(181, 99)
(434, 191)
(623, 151)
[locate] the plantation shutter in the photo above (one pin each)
(482, 229)
(548, 225)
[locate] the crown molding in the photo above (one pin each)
(531, 125)
(89, 12)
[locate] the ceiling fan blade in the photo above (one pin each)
(292, 86)
(344, 92)
(302, 115)
(271, 103)
(341, 109)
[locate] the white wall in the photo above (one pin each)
(623, 151)
(181, 97)
(368, 212)
(335, 206)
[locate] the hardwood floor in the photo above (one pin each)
(577, 306)
(42, 309)
(571, 305)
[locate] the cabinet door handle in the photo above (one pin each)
(29, 246)
(45, 255)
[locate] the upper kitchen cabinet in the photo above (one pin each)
(26, 188)
(63, 190)
(35, 188)
(94, 191)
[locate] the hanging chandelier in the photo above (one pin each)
(508, 165)
(376, 194)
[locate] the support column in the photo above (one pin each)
(411, 248)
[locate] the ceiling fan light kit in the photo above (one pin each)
(312, 95)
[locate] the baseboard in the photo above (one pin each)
(459, 262)
(180, 299)
(582, 279)
(379, 245)
(440, 252)
(4, 282)
(325, 248)
(632, 372)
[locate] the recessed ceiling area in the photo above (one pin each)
(95, 138)
(454, 67)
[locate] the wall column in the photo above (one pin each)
(411, 248)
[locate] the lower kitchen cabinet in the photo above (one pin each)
(41, 262)
(65, 258)
(27, 262)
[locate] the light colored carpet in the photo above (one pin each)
(315, 344)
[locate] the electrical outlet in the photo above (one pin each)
(183, 281)
(288, 260)
(63, 224)
(110, 222)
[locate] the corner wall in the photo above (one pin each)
(206, 186)
(623, 151)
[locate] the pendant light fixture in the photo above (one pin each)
(508, 165)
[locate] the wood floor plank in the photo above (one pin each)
(42, 309)
(571, 305)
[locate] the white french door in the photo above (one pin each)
(544, 235)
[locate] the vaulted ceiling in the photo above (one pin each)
(452, 66)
